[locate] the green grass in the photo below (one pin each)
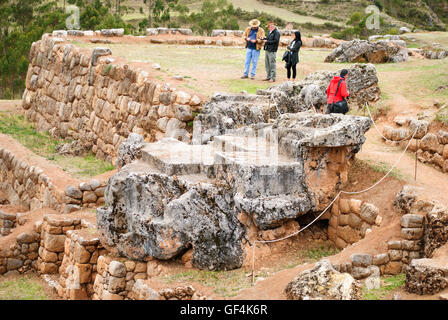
(388, 285)
(320, 252)
(225, 283)
(42, 144)
(25, 288)
(383, 167)
(24, 132)
(83, 167)
(238, 85)
(442, 116)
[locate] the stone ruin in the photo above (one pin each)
(268, 158)
(175, 196)
(382, 51)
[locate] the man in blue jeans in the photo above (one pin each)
(254, 36)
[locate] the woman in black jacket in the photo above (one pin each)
(293, 49)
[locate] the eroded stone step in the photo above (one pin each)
(174, 157)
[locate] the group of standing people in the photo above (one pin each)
(256, 39)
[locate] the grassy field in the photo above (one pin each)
(24, 288)
(219, 69)
(42, 144)
(428, 38)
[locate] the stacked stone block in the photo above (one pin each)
(26, 185)
(79, 266)
(20, 256)
(350, 220)
(7, 223)
(431, 148)
(86, 194)
(53, 231)
(85, 97)
(116, 277)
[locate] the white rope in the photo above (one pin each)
(331, 203)
(377, 130)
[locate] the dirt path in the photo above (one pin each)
(433, 181)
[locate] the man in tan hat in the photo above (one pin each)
(254, 36)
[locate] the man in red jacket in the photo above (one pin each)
(342, 91)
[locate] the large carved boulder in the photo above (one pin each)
(374, 52)
(155, 215)
(175, 196)
(225, 113)
(323, 282)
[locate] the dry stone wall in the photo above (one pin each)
(7, 223)
(53, 231)
(431, 148)
(86, 194)
(20, 256)
(25, 184)
(351, 220)
(79, 265)
(85, 96)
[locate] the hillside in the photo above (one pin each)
(424, 14)
(317, 16)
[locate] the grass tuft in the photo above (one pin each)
(42, 144)
(388, 285)
(24, 288)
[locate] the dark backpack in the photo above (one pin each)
(340, 106)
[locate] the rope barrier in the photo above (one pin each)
(337, 196)
(378, 131)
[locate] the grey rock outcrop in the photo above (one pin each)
(436, 229)
(323, 282)
(130, 150)
(374, 52)
(173, 196)
(154, 215)
(225, 113)
(426, 276)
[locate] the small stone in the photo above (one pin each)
(380, 259)
(395, 255)
(412, 221)
(27, 237)
(369, 213)
(84, 186)
(73, 192)
(361, 260)
(396, 245)
(116, 284)
(360, 272)
(117, 269)
(412, 233)
(94, 184)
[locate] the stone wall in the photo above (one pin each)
(26, 185)
(53, 231)
(7, 223)
(21, 256)
(116, 277)
(86, 194)
(79, 266)
(351, 220)
(431, 148)
(78, 95)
